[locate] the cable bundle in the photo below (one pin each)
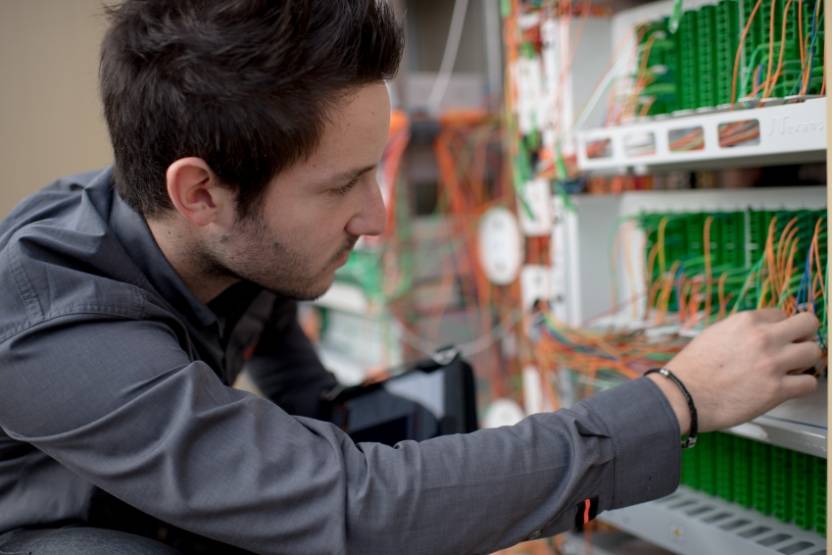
(699, 268)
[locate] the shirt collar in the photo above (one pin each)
(132, 230)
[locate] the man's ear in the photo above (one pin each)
(197, 194)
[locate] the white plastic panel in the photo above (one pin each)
(788, 132)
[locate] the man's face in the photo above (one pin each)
(312, 213)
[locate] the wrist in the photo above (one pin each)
(677, 401)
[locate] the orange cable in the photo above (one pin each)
(708, 269)
(661, 241)
(800, 37)
(723, 302)
(770, 43)
(770, 87)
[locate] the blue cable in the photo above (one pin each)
(803, 290)
(811, 47)
(678, 283)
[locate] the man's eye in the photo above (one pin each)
(344, 189)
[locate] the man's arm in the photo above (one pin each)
(119, 403)
(285, 366)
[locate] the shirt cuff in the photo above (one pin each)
(645, 434)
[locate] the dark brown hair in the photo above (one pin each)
(243, 84)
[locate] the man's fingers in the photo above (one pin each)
(769, 315)
(799, 356)
(797, 327)
(798, 386)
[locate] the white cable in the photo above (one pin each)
(618, 69)
(446, 68)
(615, 72)
(596, 96)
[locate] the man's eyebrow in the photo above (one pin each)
(347, 175)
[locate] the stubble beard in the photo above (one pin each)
(268, 263)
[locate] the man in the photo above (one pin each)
(246, 136)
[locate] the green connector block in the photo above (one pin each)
(741, 467)
(706, 56)
(758, 224)
(781, 498)
(732, 240)
(723, 466)
(791, 50)
(686, 48)
(818, 494)
(817, 55)
(690, 468)
(769, 8)
(667, 101)
(727, 41)
(737, 251)
(761, 477)
(657, 54)
(801, 502)
(724, 245)
(707, 463)
(752, 41)
(787, 485)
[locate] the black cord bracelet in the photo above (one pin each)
(690, 440)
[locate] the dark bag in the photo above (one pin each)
(433, 397)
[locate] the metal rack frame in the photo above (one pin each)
(692, 523)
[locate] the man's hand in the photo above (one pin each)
(742, 367)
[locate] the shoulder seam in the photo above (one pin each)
(88, 309)
(31, 303)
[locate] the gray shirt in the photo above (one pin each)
(115, 378)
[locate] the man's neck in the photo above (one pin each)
(183, 253)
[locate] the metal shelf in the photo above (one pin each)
(692, 523)
(793, 132)
(798, 424)
(608, 542)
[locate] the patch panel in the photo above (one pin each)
(787, 485)
(776, 43)
(740, 265)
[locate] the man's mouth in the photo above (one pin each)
(343, 255)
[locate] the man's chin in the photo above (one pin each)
(307, 294)
(314, 296)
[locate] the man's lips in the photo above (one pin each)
(342, 257)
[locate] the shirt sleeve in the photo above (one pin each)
(285, 365)
(119, 403)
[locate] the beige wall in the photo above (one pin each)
(50, 116)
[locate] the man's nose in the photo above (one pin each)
(371, 217)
